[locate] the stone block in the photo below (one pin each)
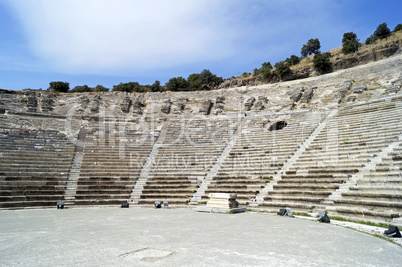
(351, 98)
(47, 103)
(95, 104)
(206, 107)
(295, 95)
(360, 88)
(249, 103)
(222, 200)
(220, 106)
(397, 81)
(166, 106)
(178, 108)
(84, 102)
(347, 84)
(259, 106)
(392, 90)
(307, 95)
(125, 106)
(263, 99)
(182, 99)
(345, 87)
(137, 106)
(220, 210)
(220, 99)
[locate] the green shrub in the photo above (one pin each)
(398, 28)
(197, 81)
(382, 31)
(265, 70)
(350, 43)
(293, 60)
(312, 47)
(371, 39)
(127, 87)
(282, 68)
(100, 88)
(156, 86)
(58, 86)
(177, 84)
(81, 89)
(322, 61)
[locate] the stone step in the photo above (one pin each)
(166, 195)
(38, 192)
(375, 205)
(24, 204)
(303, 187)
(95, 202)
(182, 190)
(25, 197)
(296, 193)
(392, 197)
(275, 206)
(295, 199)
(174, 201)
(363, 213)
(378, 189)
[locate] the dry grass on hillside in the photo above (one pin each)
(337, 52)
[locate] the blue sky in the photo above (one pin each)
(107, 42)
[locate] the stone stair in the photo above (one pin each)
(189, 150)
(114, 154)
(143, 177)
(337, 153)
(294, 158)
(215, 168)
(74, 173)
(258, 154)
(375, 192)
(72, 179)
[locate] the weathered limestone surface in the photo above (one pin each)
(137, 107)
(351, 98)
(166, 106)
(31, 101)
(360, 88)
(222, 200)
(343, 91)
(249, 103)
(206, 107)
(125, 106)
(47, 102)
(392, 90)
(96, 101)
(307, 94)
(120, 140)
(295, 95)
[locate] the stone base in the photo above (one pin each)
(220, 210)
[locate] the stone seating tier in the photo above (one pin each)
(34, 167)
(377, 194)
(112, 161)
(323, 167)
(184, 157)
(256, 157)
(175, 202)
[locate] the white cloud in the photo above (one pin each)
(98, 36)
(131, 37)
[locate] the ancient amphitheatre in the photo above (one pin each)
(330, 143)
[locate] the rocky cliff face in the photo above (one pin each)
(367, 55)
(315, 92)
(362, 57)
